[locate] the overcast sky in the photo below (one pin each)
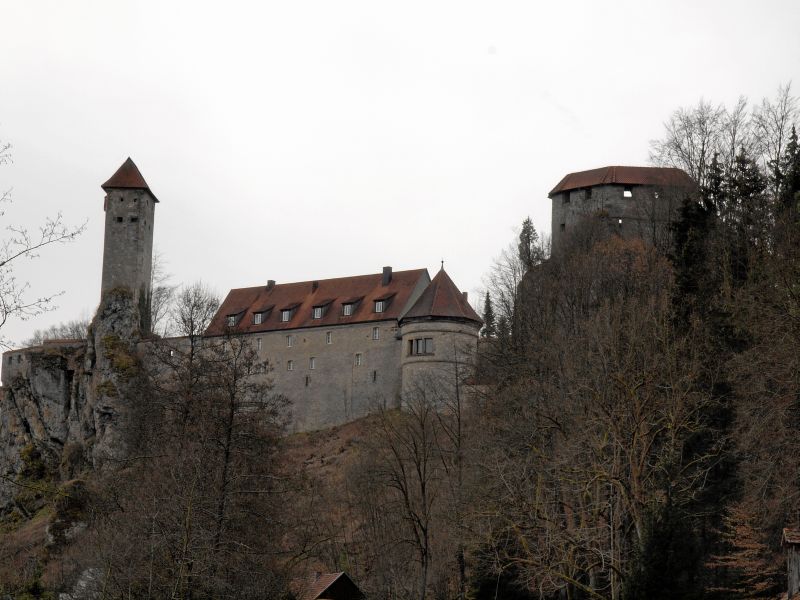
(305, 140)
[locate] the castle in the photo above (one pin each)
(634, 201)
(336, 347)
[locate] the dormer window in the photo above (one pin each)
(286, 315)
(317, 312)
(230, 320)
(347, 309)
(380, 306)
(258, 318)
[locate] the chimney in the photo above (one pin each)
(466, 296)
(270, 284)
(314, 286)
(387, 276)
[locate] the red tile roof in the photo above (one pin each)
(302, 297)
(128, 176)
(668, 177)
(442, 299)
(316, 586)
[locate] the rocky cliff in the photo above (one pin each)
(71, 402)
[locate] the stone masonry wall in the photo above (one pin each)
(128, 244)
(337, 389)
(646, 214)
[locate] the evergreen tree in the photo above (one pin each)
(528, 245)
(489, 329)
(790, 184)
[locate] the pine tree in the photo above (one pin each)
(528, 241)
(489, 328)
(790, 184)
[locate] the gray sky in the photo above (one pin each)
(305, 140)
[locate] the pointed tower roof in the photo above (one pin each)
(128, 176)
(442, 300)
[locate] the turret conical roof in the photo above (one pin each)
(128, 176)
(442, 299)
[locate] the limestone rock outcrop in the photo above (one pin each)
(71, 400)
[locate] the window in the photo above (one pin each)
(289, 341)
(379, 305)
(376, 333)
(420, 346)
(347, 309)
(258, 344)
(258, 318)
(290, 365)
(317, 312)
(358, 359)
(312, 363)
(563, 226)
(231, 320)
(627, 192)
(134, 219)
(565, 199)
(620, 221)
(307, 380)
(328, 338)
(286, 314)
(588, 193)
(374, 376)
(119, 219)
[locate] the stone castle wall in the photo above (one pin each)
(128, 244)
(646, 214)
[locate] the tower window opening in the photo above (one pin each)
(119, 219)
(134, 219)
(563, 226)
(420, 346)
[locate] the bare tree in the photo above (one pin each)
(21, 243)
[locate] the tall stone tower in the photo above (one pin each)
(128, 247)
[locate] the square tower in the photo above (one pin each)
(128, 246)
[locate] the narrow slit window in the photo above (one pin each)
(328, 338)
(374, 376)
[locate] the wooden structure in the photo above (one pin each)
(791, 541)
(327, 586)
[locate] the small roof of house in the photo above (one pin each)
(442, 299)
(128, 176)
(660, 176)
(319, 586)
(361, 290)
(791, 536)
